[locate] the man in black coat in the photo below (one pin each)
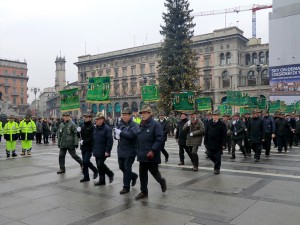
(86, 145)
(256, 134)
(269, 127)
(166, 129)
(215, 140)
(126, 133)
(292, 121)
(246, 142)
(180, 137)
(102, 145)
(150, 140)
(238, 134)
(283, 129)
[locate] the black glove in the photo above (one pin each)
(76, 146)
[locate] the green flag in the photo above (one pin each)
(98, 90)
(203, 104)
(184, 101)
(225, 109)
(150, 93)
(69, 100)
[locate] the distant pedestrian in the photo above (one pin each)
(39, 131)
(238, 135)
(166, 129)
(46, 131)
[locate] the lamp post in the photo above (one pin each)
(35, 90)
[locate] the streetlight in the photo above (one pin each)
(35, 90)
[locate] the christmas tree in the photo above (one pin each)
(177, 66)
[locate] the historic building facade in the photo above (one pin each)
(226, 60)
(13, 85)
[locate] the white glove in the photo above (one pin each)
(234, 122)
(117, 131)
(191, 134)
(235, 133)
(189, 123)
(117, 137)
(81, 142)
(78, 129)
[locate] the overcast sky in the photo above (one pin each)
(37, 30)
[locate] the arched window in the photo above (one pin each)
(228, 58)
(134, 107)
(262, 58)
(248, 59)
(254, 58)
(225, 79)
(125, 104)
(265, 77)
(222, 59)
(251, 78)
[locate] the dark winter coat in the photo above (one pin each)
(283, 128)
(67, 135)
(166, 128)
(102, 140)
(150, 137)
(297, 131)
(128, 143)
(256, 130)
(46, 129)
(87, 131)
(292, 122)
(269, 125)
(215, 135)
(180, 133)
(238, 128)
(198, 129)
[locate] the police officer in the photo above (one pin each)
(27, 131)
(126, 134)
(269, 127)
(86, 146)
(166, 129)
(67, 141)
(150, 139)
(11, 135)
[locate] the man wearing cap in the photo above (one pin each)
(180, 137)
(195, 131)
(269, 127)
(246, 142)
(256, 134)
(215, 140)
(11, 135)
(27, 131)
(126, 133)
(67, 141)
(283, 129)
(226, 120)
(102, 145)
(150, 140)
(166, 129)
(86, 132)
(238, 134)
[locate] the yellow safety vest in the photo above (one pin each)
(27, 128)
(11, 128)
(1, 128)
(137, 120)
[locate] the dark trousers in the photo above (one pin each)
(152, 167)
(62, 157)
(256, 147)
(38, 138)
(194, 154)
(291, 139)
(125, 165)
(240, 144)
(185, 148)
(215, 156)
(45, 137)
(163, 150)
(297, 138)
(103, 169)
(228, 142)
(86, 158)
(53, 138)
(247, 146)
(267, 143)
(281, 142)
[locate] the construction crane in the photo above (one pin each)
(238, 9)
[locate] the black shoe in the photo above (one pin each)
(124, 191)
(133, 181)
(195, 168)
(141, 195)
(256, 160)
(60, 171)
(216, 172)
(181, 164)
(7, 155)
(232, 157)
(164, 185)
(111, 178)
(99, 183)
(167, 159)
(84, 180)
(14, 155)
(95, 175)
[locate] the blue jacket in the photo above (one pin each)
(127, 145)
(102, 141)
(150, 137)
(269, 125)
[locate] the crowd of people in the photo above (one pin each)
(144, 136)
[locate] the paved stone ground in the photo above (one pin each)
(245, 193)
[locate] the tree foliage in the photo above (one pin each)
(177, 66)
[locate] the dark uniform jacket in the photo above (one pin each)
(283, 128)
(180, 133)
(166, 128)
(269, 125)
(198, 129)
(150, 137)
(256, 130)
(238, 128)
(215, 135)
(128, 143)
(87, 131)
(102, 141)
(297, 131)
(67, 135)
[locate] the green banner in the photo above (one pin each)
(98, 90)
(274, 106)
(150, 93)
(184, 101)
(225, 109)
(203, 104)
(69, 100)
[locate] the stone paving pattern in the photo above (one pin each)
(245, 193)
